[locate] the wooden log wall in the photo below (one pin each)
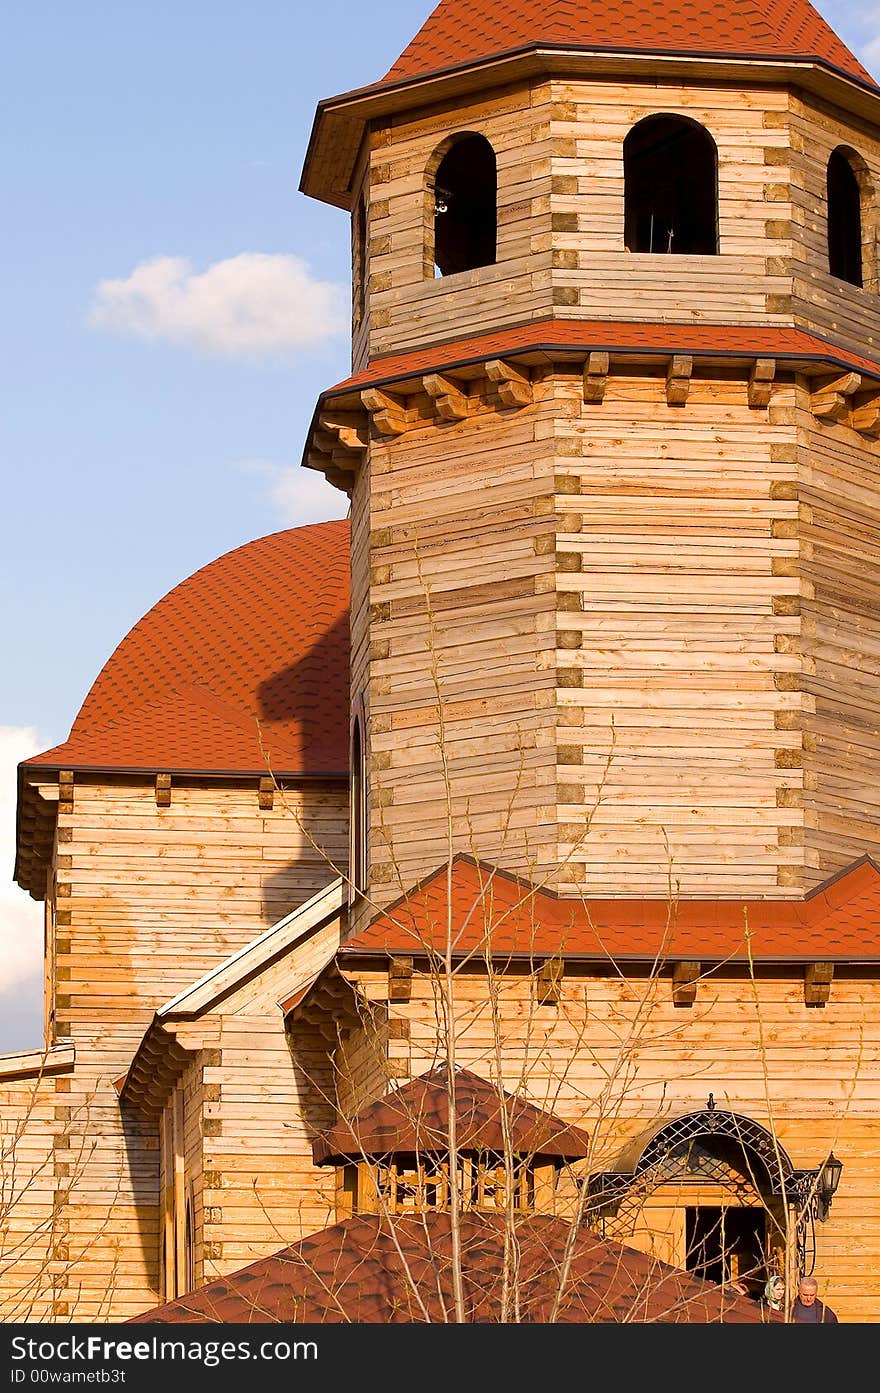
(845, 313)
(33, 1229)
(408, 306)
(839, 511)
(678, 728)
(616, 1057)
(148, 899)
(460, 606)
(560, 250)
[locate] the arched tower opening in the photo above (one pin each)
(670, 168)
(462, 207)
(850, 199)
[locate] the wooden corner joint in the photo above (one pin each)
(513, 385)
(685, 977)
(817, 983)
(830, 398)
(163, 790)
(549, 980)
(266, 795)
(678, 379)
(596, 377)
(761, 379)
(400, 974)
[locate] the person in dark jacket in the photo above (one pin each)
(807, 1309)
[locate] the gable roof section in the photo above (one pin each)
(490, 910)
(160, 1056)
(365, 1270)
(462, 32)
(241, 668)
(415, 1119)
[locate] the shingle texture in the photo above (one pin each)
(491, 910)
(242, 667)
(415, 1119)
(355, 1271)
(547, 335)
(466, 31)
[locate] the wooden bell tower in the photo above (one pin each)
(611, 441)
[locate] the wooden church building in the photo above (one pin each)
(555, 768)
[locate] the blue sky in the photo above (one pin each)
(129, 135)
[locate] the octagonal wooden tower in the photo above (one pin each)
(611, 443)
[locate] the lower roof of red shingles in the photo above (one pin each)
(549, 336)
(414, 1119)
(240, 669)
(375, 1271)
(496, 912)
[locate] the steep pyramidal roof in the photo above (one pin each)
(466, 31)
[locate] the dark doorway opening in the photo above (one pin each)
(671, 187)
(844, 220)
(727, 1245)
(465, 206)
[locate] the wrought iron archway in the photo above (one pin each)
(699, 1146)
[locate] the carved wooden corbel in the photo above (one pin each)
(596, 377)
(514, 386)
(817, 983)
(450, 402)
(388, 412)
(678, 379)
(685, 976)
(761, 382)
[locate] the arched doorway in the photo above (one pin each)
(711, 1191)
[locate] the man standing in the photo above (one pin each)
(807, 1309)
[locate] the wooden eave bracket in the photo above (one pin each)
(830, 399)
(387, 412)
(685, 977)
(163, 790)
(549, 980)
(866, 413)
(514, 387)
(450, 402)
(400, 974)
(817, 983)
(266, 793)
(65, 791)
(341, 431)
(678, 379)
(761, 381)
(596, 377)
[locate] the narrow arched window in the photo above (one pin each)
(465, 215)
(845, 234)
(357, 812)
(670, 168)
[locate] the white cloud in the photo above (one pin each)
(21, 918)
(250, 304)
(300, 495)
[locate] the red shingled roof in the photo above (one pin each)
(490, 909)
(243, 664)
(415, 1119)
(547, 335)
(355, 1271)
(462, 32)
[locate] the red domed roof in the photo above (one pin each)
(241, 669)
